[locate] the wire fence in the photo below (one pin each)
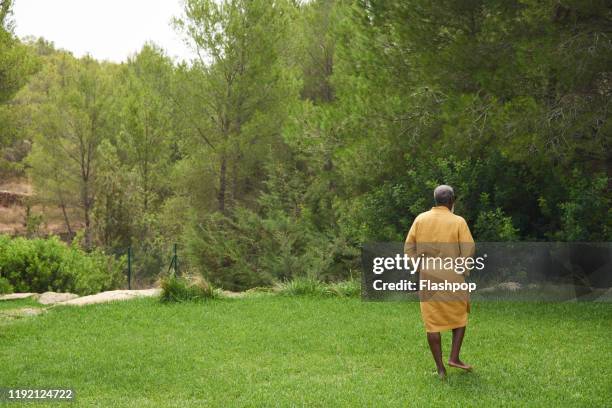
(145, 265)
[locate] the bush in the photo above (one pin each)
(303, 287)
(349, 288)
(586, 212)
(5, 286)
(244, 250)
(39, 265)
(495, 226)
(177, 289)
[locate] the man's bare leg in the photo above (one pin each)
(454, 360)
(435, 345)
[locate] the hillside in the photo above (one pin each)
(16, 196)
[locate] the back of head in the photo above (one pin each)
(444, 195)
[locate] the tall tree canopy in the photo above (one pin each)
(304, 129)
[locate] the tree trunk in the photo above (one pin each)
(222, 182)
(87, 210)
(66, 220)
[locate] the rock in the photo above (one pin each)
(230, 294)
(15, 296)
(50, 298)
(504, 286)
(486, 290)
(510, 286)
(606, 296)
(112, 295)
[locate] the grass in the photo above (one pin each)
(181, 289)
(294, 351)
(19, 303)
(313, 287)
(11, 310)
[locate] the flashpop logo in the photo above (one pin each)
(424, 284)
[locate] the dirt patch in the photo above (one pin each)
(17, 185)
(17, 195)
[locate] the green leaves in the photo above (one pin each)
(41, 265)
(17, 62)
(305, 128)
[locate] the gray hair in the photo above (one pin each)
(443, 194)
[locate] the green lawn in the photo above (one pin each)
(18, 304)
(280, 351)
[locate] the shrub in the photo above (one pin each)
(303, 287)
(225, 251)
(586, 213)
(5, 286)
(495, 226)
(244, 250)
(349, 288)
(39, 265)
(178, 289)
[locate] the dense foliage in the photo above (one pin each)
(304, 130)
(17, 63)
(40, 265)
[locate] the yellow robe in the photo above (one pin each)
(440, 233)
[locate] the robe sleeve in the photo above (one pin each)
(467, 247)
(410, 247)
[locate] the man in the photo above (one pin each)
(437, 235)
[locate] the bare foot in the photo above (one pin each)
(460, 364)
(442, 373)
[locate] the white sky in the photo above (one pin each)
(105, 29)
